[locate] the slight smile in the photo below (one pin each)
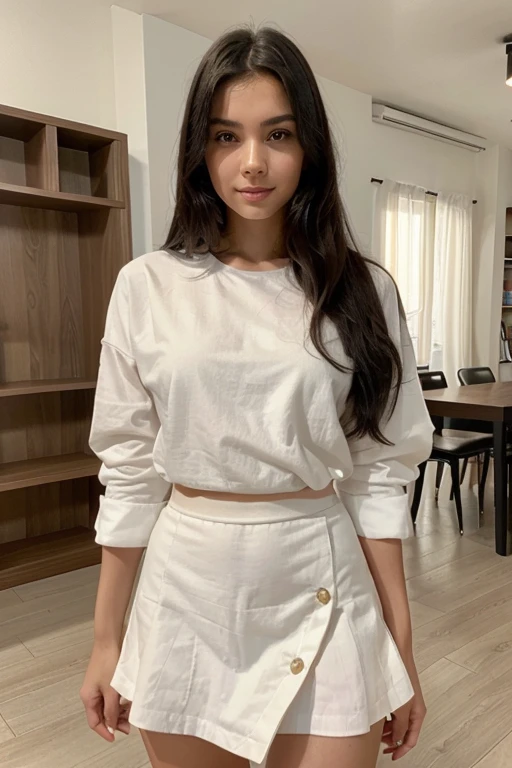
(256, 194)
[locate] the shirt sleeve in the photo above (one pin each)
(124, 429)
(375, 493)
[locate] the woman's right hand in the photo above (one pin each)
(102, 703)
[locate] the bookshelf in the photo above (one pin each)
(64, 235)
(506, 309)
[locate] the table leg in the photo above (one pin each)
(500, 489)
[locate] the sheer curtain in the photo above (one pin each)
(425, 243)
(453, 283)
(404, 229)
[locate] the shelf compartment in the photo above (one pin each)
(17, 388)
(48, 555)
(28, 153)
(31, 197)
(87, 164)
(51, 469)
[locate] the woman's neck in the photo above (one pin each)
(252, 241)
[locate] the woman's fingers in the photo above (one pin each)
(412, 736)
(401, 735)
(111, 709)
(94, 712)
(122, 724)
(387, 732)
(395, 734)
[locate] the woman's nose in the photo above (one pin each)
(253, 158)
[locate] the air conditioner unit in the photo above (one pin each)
(406, 122)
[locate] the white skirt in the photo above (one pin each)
(256, 618)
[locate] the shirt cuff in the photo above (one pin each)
(125, 524)
(380, 517)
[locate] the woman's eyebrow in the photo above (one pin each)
(235, 124)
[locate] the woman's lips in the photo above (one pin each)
(255, 197)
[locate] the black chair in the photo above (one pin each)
(437, 380)
(450, 450)
(481, 375)
(468, 376)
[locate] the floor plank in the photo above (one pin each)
(44, 706)
(70, 744)
(490, 653)
(5, 732)
(499, 757)
(422, 614)
(59, 585)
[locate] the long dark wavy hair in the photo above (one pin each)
(316, 236)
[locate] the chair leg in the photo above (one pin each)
(510, 488)
(481, 483)
(418, 488)
(464, 468)
(454, 465)
(439, 478)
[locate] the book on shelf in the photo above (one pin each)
(505, 354)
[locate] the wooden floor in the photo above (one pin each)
(461, 600)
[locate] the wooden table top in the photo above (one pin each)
(490, 402)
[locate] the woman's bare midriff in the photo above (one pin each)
(304, 493)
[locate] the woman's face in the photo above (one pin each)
(253, 142)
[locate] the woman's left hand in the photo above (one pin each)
(401, 733)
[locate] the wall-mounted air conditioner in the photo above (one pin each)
(406, 122)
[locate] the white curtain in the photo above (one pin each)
(453, 283)
(403, 241)
(425, 243)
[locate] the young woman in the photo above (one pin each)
(260, 367)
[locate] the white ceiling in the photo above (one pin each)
(443, 60)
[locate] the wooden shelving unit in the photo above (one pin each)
(64, 236)
(50, 385)
(51, 469)
(506, 316)
(10, 194)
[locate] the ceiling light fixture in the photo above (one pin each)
(508, 41)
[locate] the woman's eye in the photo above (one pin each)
(222, 135)
(283, 133)
(226, 138)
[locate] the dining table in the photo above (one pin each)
(486, 402)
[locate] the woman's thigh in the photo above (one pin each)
(167, 750)
(304, 751)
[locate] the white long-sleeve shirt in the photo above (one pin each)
(208, 378)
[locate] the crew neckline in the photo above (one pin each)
(251, 272)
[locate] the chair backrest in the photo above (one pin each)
(482, 375)
(423, 367)
(432, 380)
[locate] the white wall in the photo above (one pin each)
(495, 196)
(485, 338)
(131, 116)
(56, 58)
(348, 111)
(369, 150)
(411, 158)
(171, 57)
